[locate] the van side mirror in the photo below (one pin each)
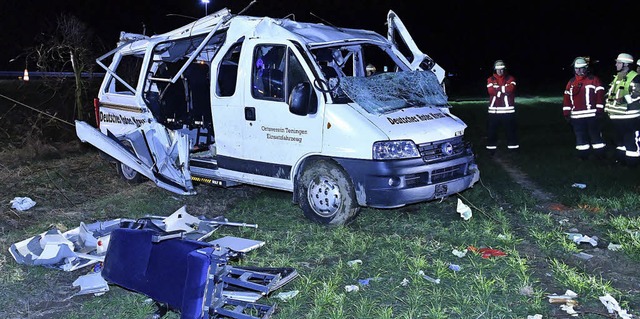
(303, 99)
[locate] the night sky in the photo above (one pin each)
(537, 39)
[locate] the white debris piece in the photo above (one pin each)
(22, 203)
(614, 247)
(613, 306)
(569, 310)
(287, 295)
(580, 238)
(459, 253)
(351, 288)
(92, 283)
(464, 210)
(353, 263)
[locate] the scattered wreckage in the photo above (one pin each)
(164, 258)
(295, 106)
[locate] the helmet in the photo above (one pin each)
(624, 58)
(579, 62)
(371, 68)
(499, 65)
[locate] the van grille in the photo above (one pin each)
(447, 173)
(442, 150)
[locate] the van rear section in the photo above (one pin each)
(341, 118)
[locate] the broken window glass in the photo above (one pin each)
(387, 92)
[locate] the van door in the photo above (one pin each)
(274, 139)
(408, 48)
(159, 154)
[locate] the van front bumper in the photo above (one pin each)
(396, 183)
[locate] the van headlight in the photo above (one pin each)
(385, 150)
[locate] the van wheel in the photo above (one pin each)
(128, 174)
(326, 194)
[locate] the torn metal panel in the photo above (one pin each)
(159, 154)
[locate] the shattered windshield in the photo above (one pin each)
(387, 92)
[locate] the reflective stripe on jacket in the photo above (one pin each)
(501, 91)
(616, 105)
(583, 97)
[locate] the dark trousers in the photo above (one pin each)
(497, 122)
(626, 139)
(588, 136)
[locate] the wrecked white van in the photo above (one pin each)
(232, 99)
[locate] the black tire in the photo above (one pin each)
(128, 174)
(326, 194)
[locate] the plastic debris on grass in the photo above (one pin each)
(455, 267)
(22, 203)
(487, 252)
(351, 288)
(580, 238)
(536, 316)
(404, 282)
(568, 301)
(613, 306)
(286, 295)
(431, 279)
(614, 247)
(464, 210)
(354, 263)
(579, 185)
(459, 253)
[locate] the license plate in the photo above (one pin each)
(441, 190)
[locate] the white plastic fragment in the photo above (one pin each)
(404, 282)
(536, 316)
(433, 280)
(614, 247)
(613, 306)
(91, 284)
(568, 296)
(22, 203)
(352, 263)
(287, 295)
(580, 238)
(463, 210)
(569, 309)
(351, 288)
(459, 253)
(579, 185)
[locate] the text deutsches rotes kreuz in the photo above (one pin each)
(415, 118)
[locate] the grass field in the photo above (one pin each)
(524, 206)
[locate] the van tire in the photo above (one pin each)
(326, 194)
(128, 174)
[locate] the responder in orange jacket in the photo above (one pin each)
(583, 104)
(623, 107)
(502, 113)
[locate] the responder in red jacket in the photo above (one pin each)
(623, 107)
(502, 113)
(582, 106)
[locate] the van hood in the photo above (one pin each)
(404, 105)
(419, 124)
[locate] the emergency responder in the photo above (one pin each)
(370, 69)
(623, 108)
(502, 113)
(583, 104)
